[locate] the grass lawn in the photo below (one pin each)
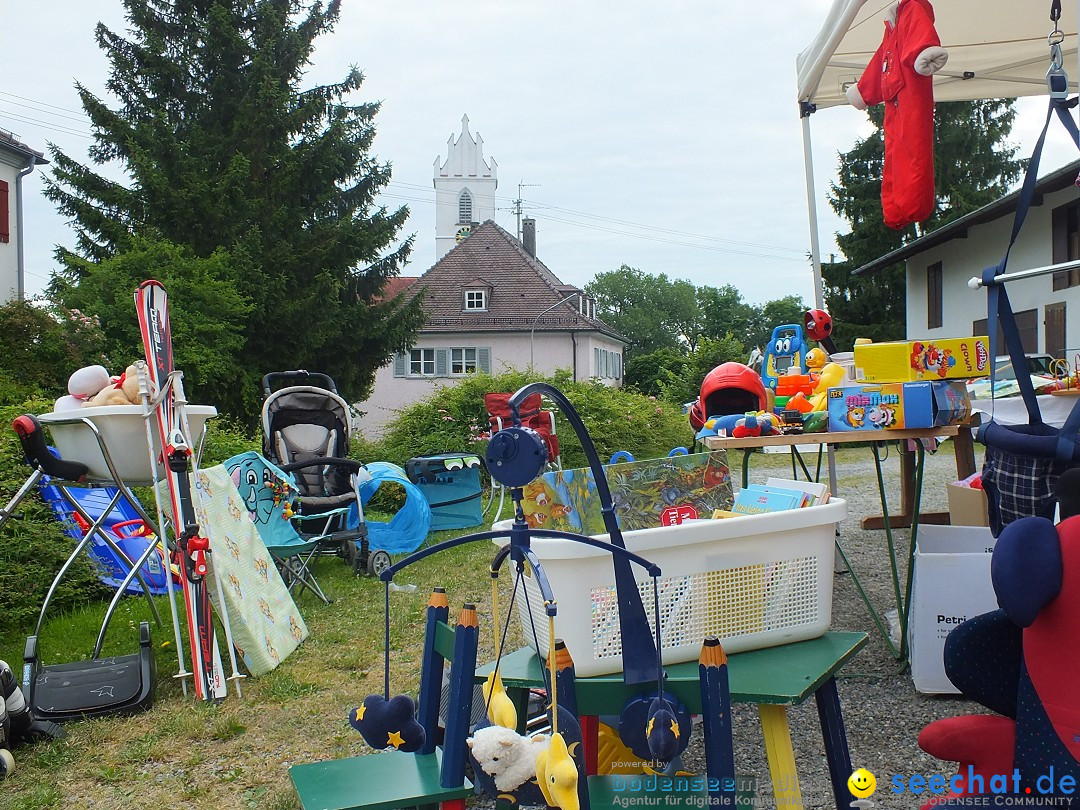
(237, 754)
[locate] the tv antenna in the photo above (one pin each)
(519, 201)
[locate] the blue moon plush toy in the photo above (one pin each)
(388, 723)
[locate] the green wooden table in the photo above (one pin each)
(772, 678)
(382, 781)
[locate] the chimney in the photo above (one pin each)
(528, 235)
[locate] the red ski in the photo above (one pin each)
(191, 547)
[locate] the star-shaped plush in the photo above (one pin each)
(388, 723)
(656, 728)
(662, 731)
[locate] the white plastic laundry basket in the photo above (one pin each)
(754, 581)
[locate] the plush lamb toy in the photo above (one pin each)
(506, 755)
(900, 73)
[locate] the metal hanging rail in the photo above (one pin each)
(976, 282)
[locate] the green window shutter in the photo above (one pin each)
(401, 365)
(441, 363)
(483, 359)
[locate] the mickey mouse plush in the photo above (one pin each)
(899, 74)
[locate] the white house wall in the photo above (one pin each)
(9, 251)
(984, 246)
(548, 352)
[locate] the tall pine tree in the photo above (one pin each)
(973, 166)
(246, 181)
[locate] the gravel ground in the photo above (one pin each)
(882, 711)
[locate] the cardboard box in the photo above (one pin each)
(913, 360)
(967, 506)
(951, 584)
(898, 406)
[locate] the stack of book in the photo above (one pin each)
(776, 495)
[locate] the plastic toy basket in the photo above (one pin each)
(754, 581)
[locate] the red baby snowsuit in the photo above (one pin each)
(900, 74)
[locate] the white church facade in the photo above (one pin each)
(465, 185)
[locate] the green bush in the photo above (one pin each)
(32, 545)
(225, 437)
(41, 344)
(454, 420)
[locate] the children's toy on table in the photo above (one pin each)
(915, 360)
(908, 385)
(728, 393)
(786, 350)
(819, 327)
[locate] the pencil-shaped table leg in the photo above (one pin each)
(836, 745)
(716, 723)
(777, 733)
(567, 692)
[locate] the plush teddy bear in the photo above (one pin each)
(900, 74)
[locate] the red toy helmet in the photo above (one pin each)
(729, 388)
(818, 324)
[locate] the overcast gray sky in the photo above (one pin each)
(664, 136)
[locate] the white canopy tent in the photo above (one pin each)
(997, 49)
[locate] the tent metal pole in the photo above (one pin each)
(976, 282)
(811, 207)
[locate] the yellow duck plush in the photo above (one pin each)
(557, 775)
(501, 711)
(832, 375)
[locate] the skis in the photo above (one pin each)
(191, 547)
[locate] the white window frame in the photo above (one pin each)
(476, 300)
(419, 359)
(464, 360)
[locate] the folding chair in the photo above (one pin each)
(269, 496)
(532, 416)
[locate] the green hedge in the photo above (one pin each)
(453, 420)
(32, 545)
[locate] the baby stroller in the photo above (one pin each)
(306, 432)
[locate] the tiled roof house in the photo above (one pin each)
(492, 306)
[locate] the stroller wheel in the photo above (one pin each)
(377, 562)
(351, 554)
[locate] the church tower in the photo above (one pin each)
(464, 189)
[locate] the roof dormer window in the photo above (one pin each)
(476, 300)
(465, 207)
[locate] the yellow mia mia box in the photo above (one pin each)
(912, 360)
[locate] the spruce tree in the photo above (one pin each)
(229, 163)
(973, 166)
